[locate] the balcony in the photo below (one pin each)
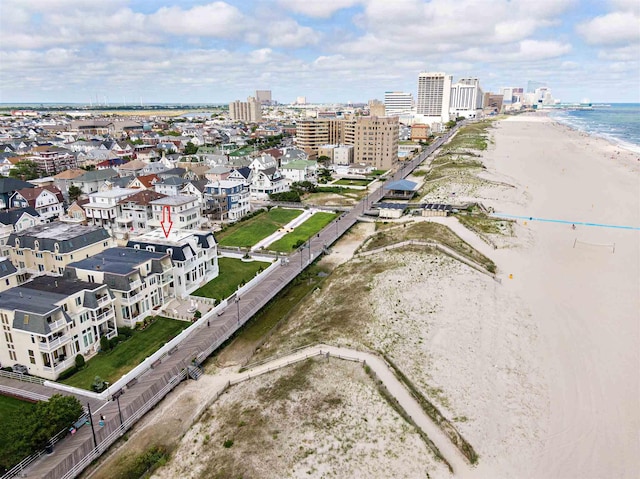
(103, 317)
(135, 284)
(104, 299)
(132, 299)
(60, 365)
(56, 325)
(54, 344)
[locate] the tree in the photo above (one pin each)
(52, 416)
(74, 193)
(25, 170)
(324, 160)
(190, 149)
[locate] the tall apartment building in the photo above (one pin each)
(263, 97)
(397, 103)
(139, 279)
(376, 108)
(312, 134)
(52, 159)
(49, 320)
(249, 111)
(434, 95)
(375, 140)
(466, 98)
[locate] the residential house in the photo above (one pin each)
(144, 182)
(91, 181)
(136, 211)
(300, 170)
(76, 212)
(47, 201)
(217, 173)
(48, 321)
(242, 175)
(49, 247)
(103, 209)
(8, 274)
(138, 278)
(185, 212)
(263, 162)
(226, 200)
(12, 221)
(132, 168)
(178, 172)
(8, 186)
(65, 179)
(267, 182)
(194, 255)
(195, 188)
(170, 186)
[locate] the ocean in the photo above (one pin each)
(617, 122)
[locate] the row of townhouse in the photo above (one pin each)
(48, 319)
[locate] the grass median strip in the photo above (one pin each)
(303, 232)
(247, 233)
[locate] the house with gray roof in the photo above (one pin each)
(140, 280)
(52, 319)
(91, 181)
(194, 255)
(49, 247)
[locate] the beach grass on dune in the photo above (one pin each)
(125, 356)
(247, 233)
(303, 232)
(427, 231)
(233, 273)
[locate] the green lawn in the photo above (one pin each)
(303, 232)
(233, 272)
(112, 365)
(10, 407)
(346, 181)
(247, 233)
(245, 150)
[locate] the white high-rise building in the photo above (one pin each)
(434, 96)
(397, 103)
(466, 98)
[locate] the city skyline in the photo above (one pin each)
(140, 51)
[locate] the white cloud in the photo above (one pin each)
(287, 33)
(611, 29)
(317, 8)
(218, 19)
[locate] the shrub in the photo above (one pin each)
(105, 345)
(197, 314)
(98, 384)
(79, 361)
(228, 443)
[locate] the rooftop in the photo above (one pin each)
(58, 231)
(174, 200)
(114, 193)
(117, 260)
(59, 286)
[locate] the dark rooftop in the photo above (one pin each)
(117, 260)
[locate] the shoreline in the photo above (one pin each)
(613, 141)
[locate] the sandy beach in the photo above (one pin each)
(584, 300)
(538, 371)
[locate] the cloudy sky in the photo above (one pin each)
(198, 51)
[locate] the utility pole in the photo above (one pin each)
(93, 431)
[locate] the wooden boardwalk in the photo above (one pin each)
(67, 457)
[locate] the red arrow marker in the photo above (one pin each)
(166, 222)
